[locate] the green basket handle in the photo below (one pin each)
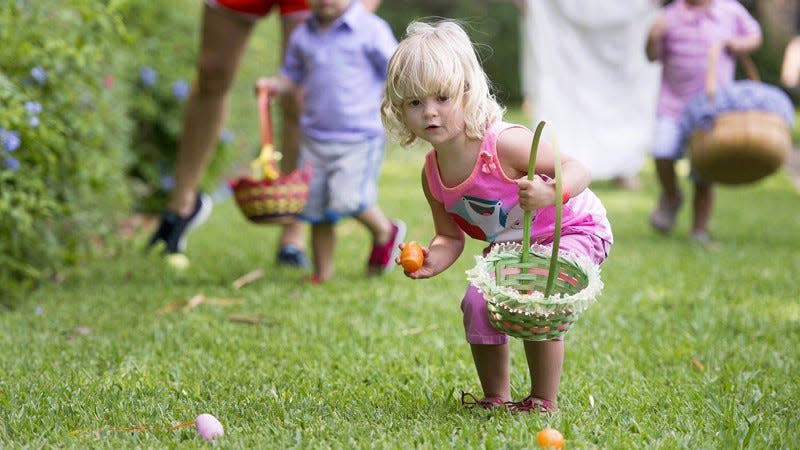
(526, 238)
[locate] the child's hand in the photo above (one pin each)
(271, 84)
(536, 193)
(413, 258)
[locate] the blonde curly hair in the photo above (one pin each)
(438, 60)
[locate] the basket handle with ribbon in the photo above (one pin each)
(526, 239)
(265, 166)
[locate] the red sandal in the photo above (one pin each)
(469, 401)
(533, 404)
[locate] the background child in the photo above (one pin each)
(682, 37)
(437, 91)
(339, 57)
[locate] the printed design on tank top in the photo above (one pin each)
(485, 219)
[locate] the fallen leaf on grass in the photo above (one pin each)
(170, 307)
(699, 364)
(79, 331)
(194, 302)
(247, 278)
(250, 319)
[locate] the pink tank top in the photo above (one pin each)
(486, 204)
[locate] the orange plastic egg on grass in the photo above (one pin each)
(412, 257)
(550, 438)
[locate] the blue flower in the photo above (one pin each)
(39, 74)
(33, 108)
(12, 163)
(167, 182)
(10, 140)
(148, 76)
(33, 121)
(180, 89)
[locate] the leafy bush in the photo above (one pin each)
(93, 94)
(64, 136)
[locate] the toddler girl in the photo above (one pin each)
(475, 182)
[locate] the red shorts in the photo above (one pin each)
(261, 8)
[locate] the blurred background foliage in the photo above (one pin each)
(92, 95)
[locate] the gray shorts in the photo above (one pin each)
(344, 178)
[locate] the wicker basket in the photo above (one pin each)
(741, 146)
(529, 293)
(269, 197)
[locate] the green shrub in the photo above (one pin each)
(93, 93)
(65, 136)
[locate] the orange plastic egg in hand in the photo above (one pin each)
(411, 257)
(550, 438)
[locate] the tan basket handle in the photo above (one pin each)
(748, 66)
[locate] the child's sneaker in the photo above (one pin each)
(381, 260)
(292, 256)
(174, 229)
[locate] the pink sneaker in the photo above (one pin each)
(381, 260)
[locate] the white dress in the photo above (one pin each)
(585, 72)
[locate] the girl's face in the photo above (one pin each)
(434, 118)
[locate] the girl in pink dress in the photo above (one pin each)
(475, 182)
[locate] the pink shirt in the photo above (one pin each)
(486, 204)
(691, 32)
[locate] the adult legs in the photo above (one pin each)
(222, 43)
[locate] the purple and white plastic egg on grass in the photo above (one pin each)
(208, 427)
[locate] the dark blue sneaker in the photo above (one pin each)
(174, 229)
(291, 256)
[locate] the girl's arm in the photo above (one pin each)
(447, 243)
(514, 149)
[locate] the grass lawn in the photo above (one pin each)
(686, 348)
